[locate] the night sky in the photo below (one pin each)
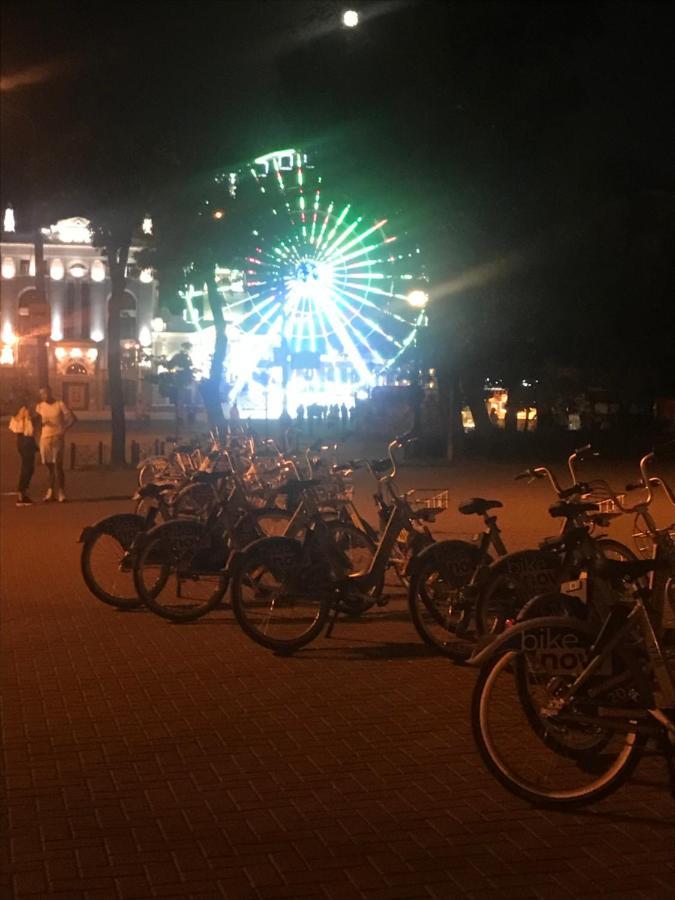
(540, 133)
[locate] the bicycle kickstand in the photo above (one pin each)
(333, 619)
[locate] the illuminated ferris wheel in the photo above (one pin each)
(319, 279)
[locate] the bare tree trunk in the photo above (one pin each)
(117, 262)
(210, 388)
(450, 406)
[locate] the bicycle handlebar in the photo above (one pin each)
(579, 454)
(646, 484)
(654, 481)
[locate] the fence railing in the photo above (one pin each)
(87, 456)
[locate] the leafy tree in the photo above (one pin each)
(176, 377)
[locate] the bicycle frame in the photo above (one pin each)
(612, 635)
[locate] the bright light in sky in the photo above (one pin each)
(350, 18)
(418, 298)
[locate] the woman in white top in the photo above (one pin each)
(56, 419)
(24, 428)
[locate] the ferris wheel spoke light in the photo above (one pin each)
(358, 239)
(371, 325)
(320, 278)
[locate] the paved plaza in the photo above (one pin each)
(144, 759)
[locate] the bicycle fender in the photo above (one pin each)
(149, 460)
(286, 552)
(511, 638)
(437, 549)
(531, 610)
(121, 526)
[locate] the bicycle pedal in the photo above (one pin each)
(382, 601)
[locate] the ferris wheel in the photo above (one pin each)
(318, 278)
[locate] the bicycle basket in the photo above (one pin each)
(602, 494)
(428, 498)
(644, 542)
(334, 493)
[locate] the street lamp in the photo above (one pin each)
(350, 18)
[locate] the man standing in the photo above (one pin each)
(56, 419)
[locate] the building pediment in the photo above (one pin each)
(76, 230)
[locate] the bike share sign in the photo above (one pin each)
(555, 650)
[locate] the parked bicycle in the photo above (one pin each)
(563, 709)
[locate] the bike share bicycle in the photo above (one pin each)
(563, 709)
(284, 590)
(459, 592)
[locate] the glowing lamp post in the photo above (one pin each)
(350, 18)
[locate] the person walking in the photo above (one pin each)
(23, 426)
(235, 418)
(56, 419)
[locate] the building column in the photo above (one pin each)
(98, 292)
(56, 291)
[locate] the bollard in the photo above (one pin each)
(135, 453)
(100, 453)
(156, 446)
(72, 454)
(161, 449)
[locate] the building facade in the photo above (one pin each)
(70, 322)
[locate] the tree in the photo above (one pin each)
(175, 378)
(187, 249)
(200, 226)
(113, 233)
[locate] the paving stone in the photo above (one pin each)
(147, 760)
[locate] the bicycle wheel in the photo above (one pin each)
(510, 583)
(435, 597)
(179, 572)
(278, 598)
(359, 548)
(540, 747)
(271, 522)
(195, 500)
(154, 469)
(105, 566)
(612, 549)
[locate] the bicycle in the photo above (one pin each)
(283, 590)
(456, 584)
(563, 709)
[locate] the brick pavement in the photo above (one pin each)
(143, 759)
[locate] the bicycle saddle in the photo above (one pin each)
(478, 506)
(154, 490)
(569, 510)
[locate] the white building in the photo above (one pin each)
(73, 319)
